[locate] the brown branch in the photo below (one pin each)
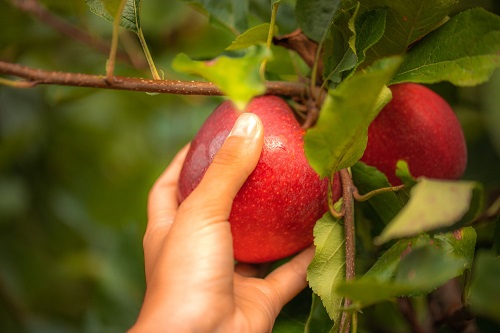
(350, 241)
(36, 9)
(34, 76)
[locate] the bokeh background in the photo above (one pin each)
(76, 164)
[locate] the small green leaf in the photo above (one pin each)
(239, 77)
(367, 179)
(369, 28)
(433, 204)
(351, 35)
(339, 137)
(485, 289)
(108, 9)
(315, 16)
(404, 174)
(252, 36)
(328, 265)
(413, 266)
(339, 53)
(464, 51)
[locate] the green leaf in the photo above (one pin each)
(413, 267)
(327, 268)
(464, 51)
(315, 16)
(367, 179)
(434, 204)
(369, 29)
(485, 289)
(239, 77)
(252, 36)
(230, 14)
(108, 9)
(407, 22)
(319, 321)
(404, 174)
(339, 137)
(350, 37)
(339, 55)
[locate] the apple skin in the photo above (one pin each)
(420, 127)
(274, 212)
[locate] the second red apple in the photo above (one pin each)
(420, 127)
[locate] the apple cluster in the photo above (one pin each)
(274, 213)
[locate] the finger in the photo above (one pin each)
(252, 270)
(162, 206)
(201, 231)
(288, 280)
(230, 168)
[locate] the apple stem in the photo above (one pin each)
(348, 189)
(369, 195)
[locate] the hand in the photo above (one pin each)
(192, 282)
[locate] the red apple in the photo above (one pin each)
(417, 126)
(274, 213)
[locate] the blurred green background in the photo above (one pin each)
(76, 164)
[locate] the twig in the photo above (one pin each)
(34, 76)
(36, 9)
(371, 194)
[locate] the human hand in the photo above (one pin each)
(192, 282)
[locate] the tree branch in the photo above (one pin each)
(350, 241)
(33, 77)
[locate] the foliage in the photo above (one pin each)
(76, 164)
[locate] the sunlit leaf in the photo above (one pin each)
(238, 77)
(433, 204)
(448, 54)
(340, 135)
(327, 268)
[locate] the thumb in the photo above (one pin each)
(231, 166)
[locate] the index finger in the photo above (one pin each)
(162, 207)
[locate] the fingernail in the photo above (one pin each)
(246, 125)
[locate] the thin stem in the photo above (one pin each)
(16, 84)
(35, 76)
(149, 58)
(350, 241)
(270, 36)
(369, 195)
(110, 65)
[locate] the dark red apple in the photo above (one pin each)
(420, 127)
(274, 213)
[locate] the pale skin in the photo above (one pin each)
(192, 282)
